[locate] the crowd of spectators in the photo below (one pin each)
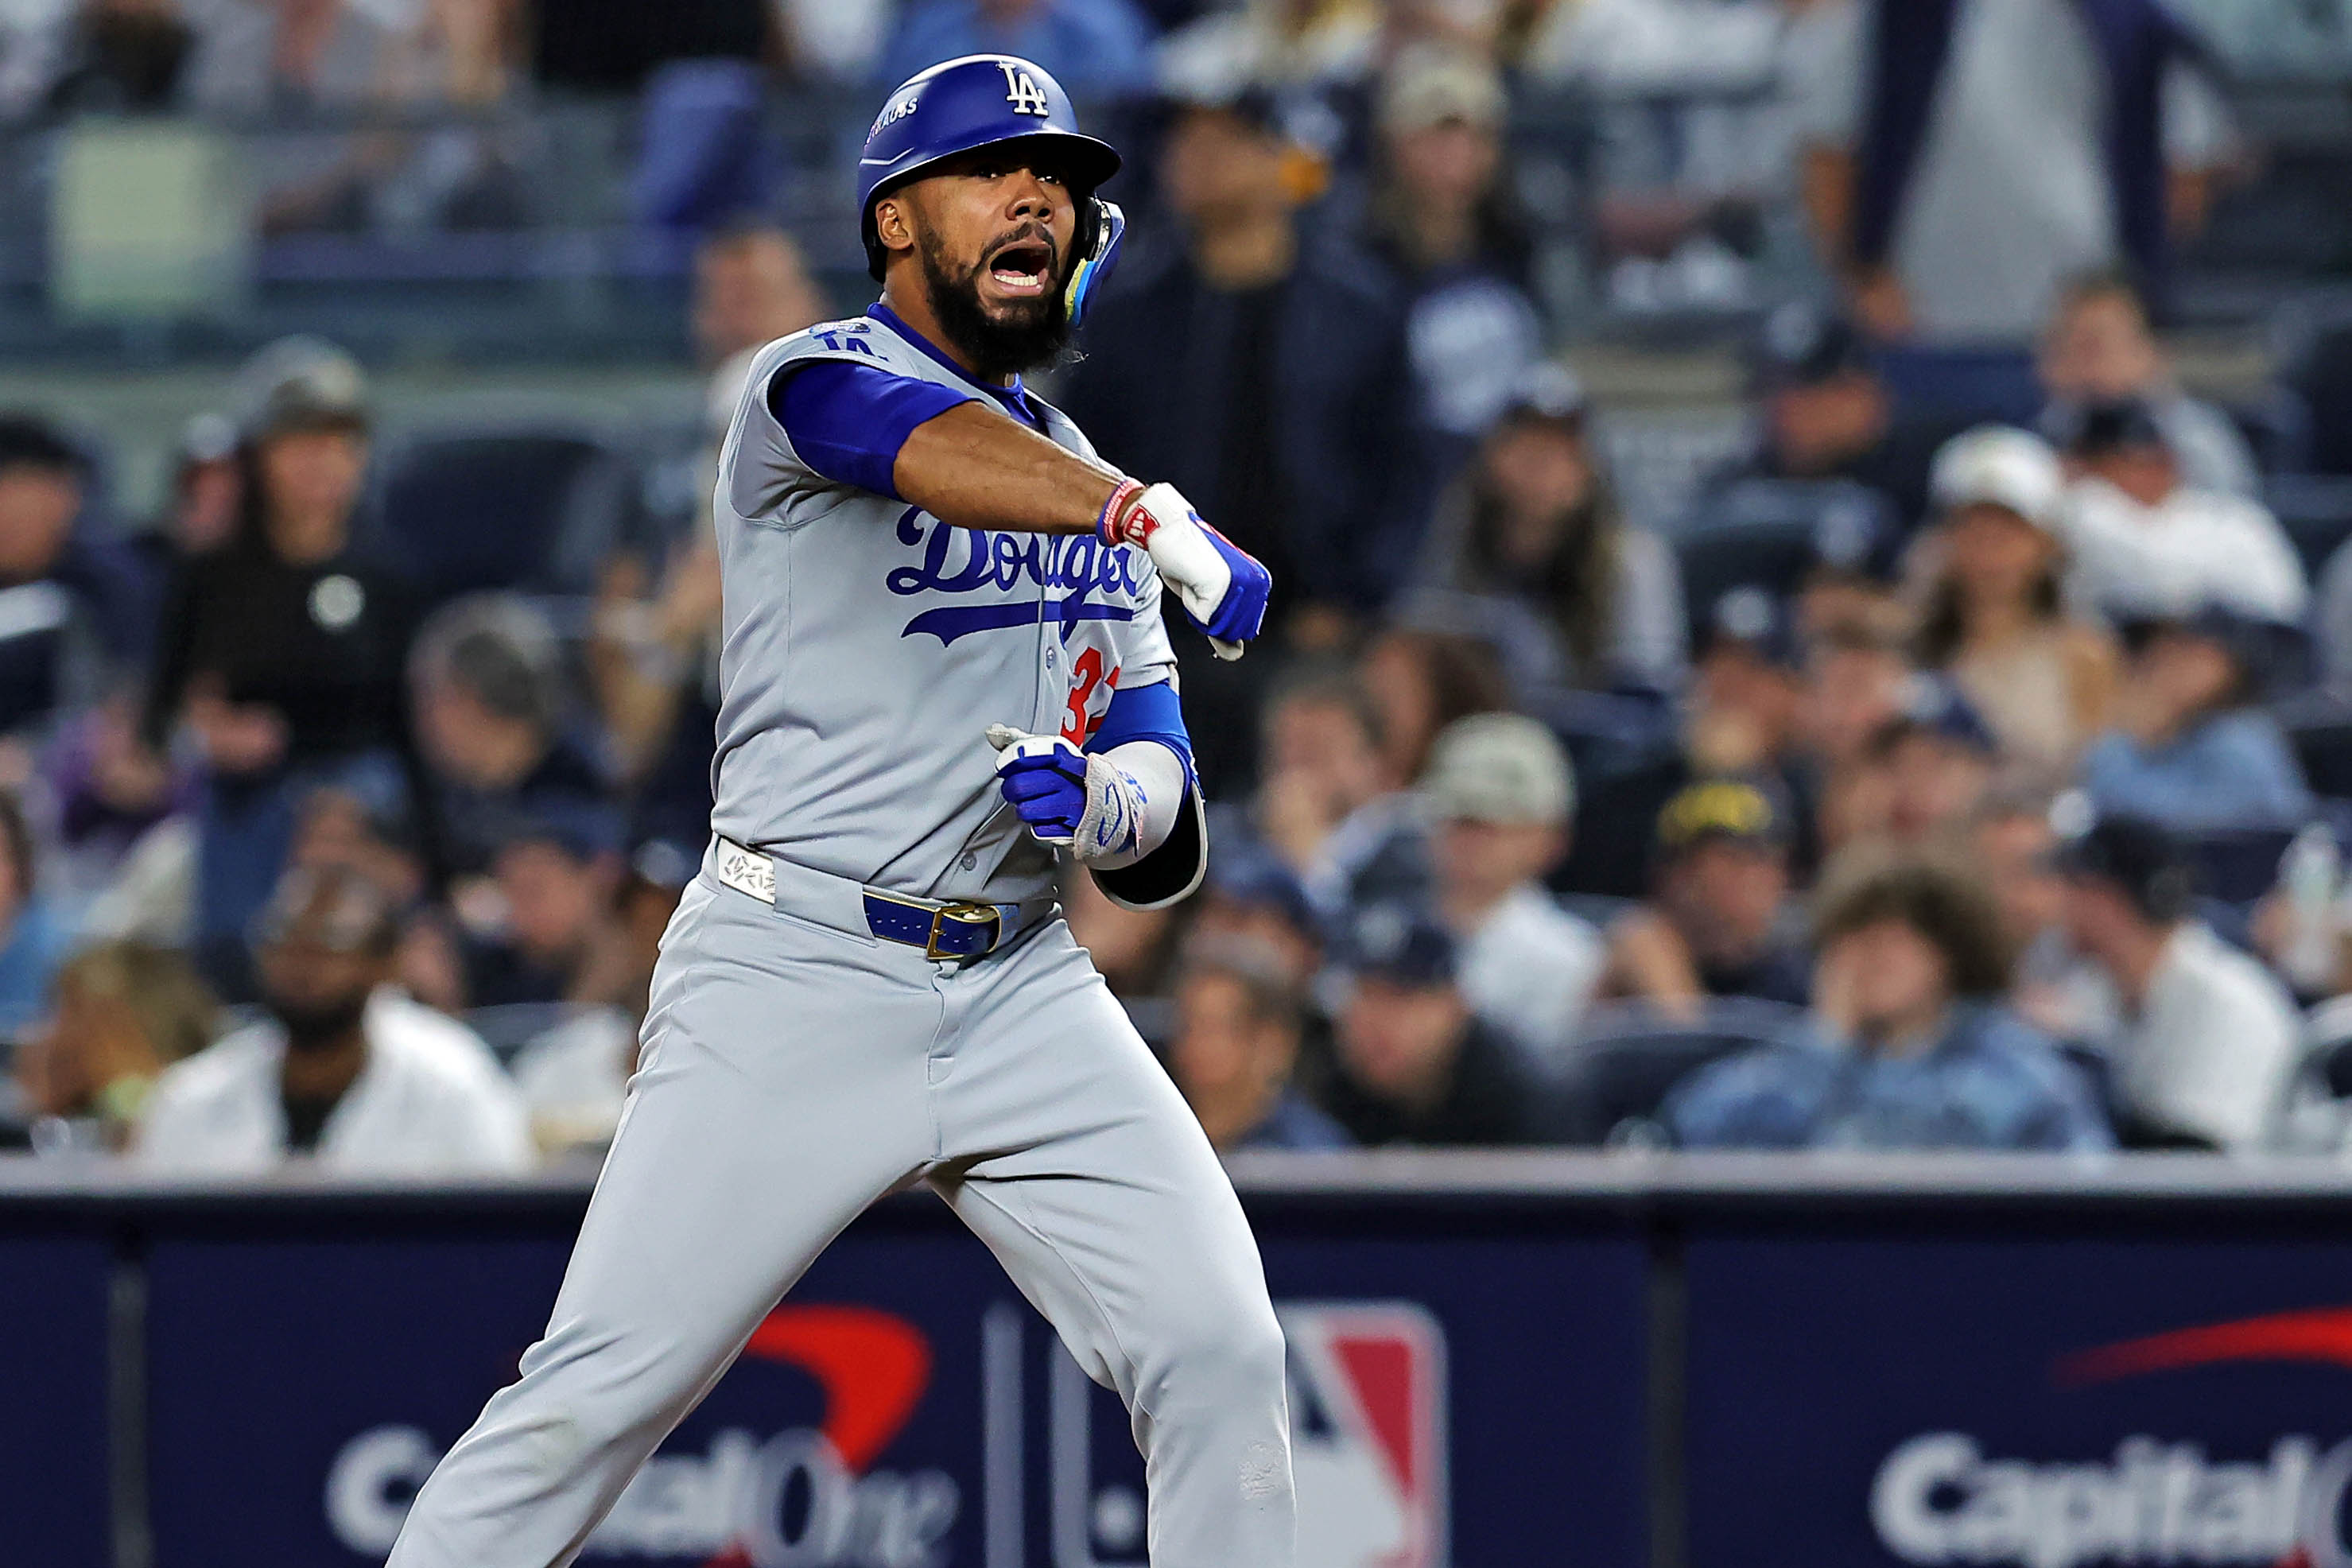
(1922, 784)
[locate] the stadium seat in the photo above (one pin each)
(1628, 1058)
(2315, 509)
(468, 510)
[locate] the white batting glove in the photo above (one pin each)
(1222, 587)
(1079, 800)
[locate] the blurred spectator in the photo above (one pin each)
(1857, 679)
(752, 286)
(551, 916)
(1500, 797)
(259, 57)
(77, 608)
(118, 1015)
(284, 652)
(2208, 1037)
(205, 496)
(1922, 774)
(1099, 49)
(1420, 682)
(1741, 714)
(34, 938)
(575, 1077)
(1440, 215)
(834, 39)
(1238, 1024)
(1415, 1064)
(2052, 986)
(1329, 805)
(2100, 348)
(1281, 42)
(1530, 547)
(1964, 161)
(1264, 372)
(2141, 542)
(1908, 1045)
(2191, 748)
(1134, 950)
(1995, 619)
(1716, 923)
(489, 700)
(123, 56)
(345, 1070)
(1252, 897)
(1828, 415)
(1658, 45)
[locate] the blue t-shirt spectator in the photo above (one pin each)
(1096, 49)
(1296, 1123)
(1990, 1081)
(33, 947)
(2230, 770)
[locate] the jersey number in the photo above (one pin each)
(1080, 727)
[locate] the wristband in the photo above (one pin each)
(1122, 522)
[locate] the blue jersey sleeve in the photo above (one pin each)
(1145, 713)
(847, 421)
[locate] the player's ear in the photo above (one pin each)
(893, 223)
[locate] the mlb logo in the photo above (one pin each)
(1367, 1444)
(1368, 1434)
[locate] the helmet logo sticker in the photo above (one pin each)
(1022, 91)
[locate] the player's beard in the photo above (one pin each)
(1030, 332)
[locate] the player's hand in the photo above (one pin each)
(1075, 800)
(1222, 587)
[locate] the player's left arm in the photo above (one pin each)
(1127, 806)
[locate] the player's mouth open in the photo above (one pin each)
(1022, 268)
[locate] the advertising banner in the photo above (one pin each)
(53, 1433)
(2049, 1402)
(1475, 1400)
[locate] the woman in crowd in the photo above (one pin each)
(283, 652)
(1994, 619)
(118, 1015)
(1529, 548)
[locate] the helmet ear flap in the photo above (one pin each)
(1101, 226)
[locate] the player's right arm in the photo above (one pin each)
(973, 465)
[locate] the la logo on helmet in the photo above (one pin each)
(1022, 91)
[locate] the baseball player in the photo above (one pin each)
(943, 667)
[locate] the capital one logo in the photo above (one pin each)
(1940, 1499)
(805, 1498)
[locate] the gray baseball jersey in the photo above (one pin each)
(791, 1071)
(868, 644)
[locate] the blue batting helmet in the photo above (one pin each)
(980, 101)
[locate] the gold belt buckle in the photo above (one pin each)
(968, 914)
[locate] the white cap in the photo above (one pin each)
(1503, 768)
(1996, 465)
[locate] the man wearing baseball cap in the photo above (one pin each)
(1500, 795)
(2208, 1037)
(1829, 416)
(2145, 543)
(1716, 923)
(2193, 747)
(1415, 1064)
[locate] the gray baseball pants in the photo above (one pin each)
(791, 1075)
